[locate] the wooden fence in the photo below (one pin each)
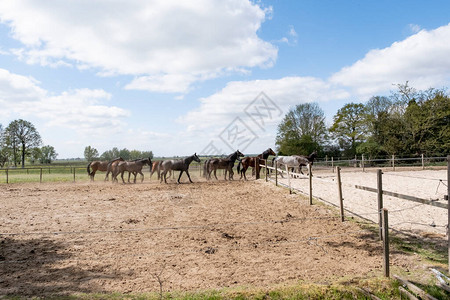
(382, 212)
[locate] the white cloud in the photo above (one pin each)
(414, 28)
(157, 40)
(175, 83)
(422, 59)
(217, 110)
(79, 110)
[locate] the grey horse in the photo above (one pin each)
(177, 165)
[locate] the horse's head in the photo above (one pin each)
(312, 156)
(196, 158)
(149, 161)
(271, 152)
(239, 154)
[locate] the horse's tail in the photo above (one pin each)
(89, 168)
(207, 168)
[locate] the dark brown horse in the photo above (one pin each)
(178, 165)
(98, 165)
(222, 163)
(252, 161)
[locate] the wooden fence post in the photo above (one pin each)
(310, 184)
(267, 171)
(73, 174)
(362, 162)
(393, 162)
(332, 163)
(7, 179)
(289, 179)
(423, 163)
(380, 200)
(341, 201)
(40, 176)
(385, 243)
(276, 174)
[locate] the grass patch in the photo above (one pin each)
(381, 287)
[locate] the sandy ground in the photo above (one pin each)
(404, 215)
(62, 238)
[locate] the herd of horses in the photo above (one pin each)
(210, 166)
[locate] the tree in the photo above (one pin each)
(147, 154)
(3, 149)
(48, 154)
(21, 136)
(302, 130)
(35, 154)
(125, 154)
(90, 154)
(349, 127)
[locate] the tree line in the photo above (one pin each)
(91, 154)
(407, 123)
(20, 141)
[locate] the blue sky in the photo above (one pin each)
(205, 76)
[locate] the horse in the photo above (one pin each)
(252, 161)
(156, 167)
(309, 159)
(222, 163)
(295, 161)
(112, 166)
(289, 161)
(134, 167)
(98, 165)
(178, 165)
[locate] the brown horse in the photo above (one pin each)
(112, 166)
(222, 163)
(98, 165)
(156, 167)
(252, 161)
(134, 167)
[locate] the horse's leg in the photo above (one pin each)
(142, 179)
(179, 177)
(121, 175)
(189, 176)
(165, 176)
(215, 174)
(281, 172)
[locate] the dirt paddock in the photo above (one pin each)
(64, 238)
